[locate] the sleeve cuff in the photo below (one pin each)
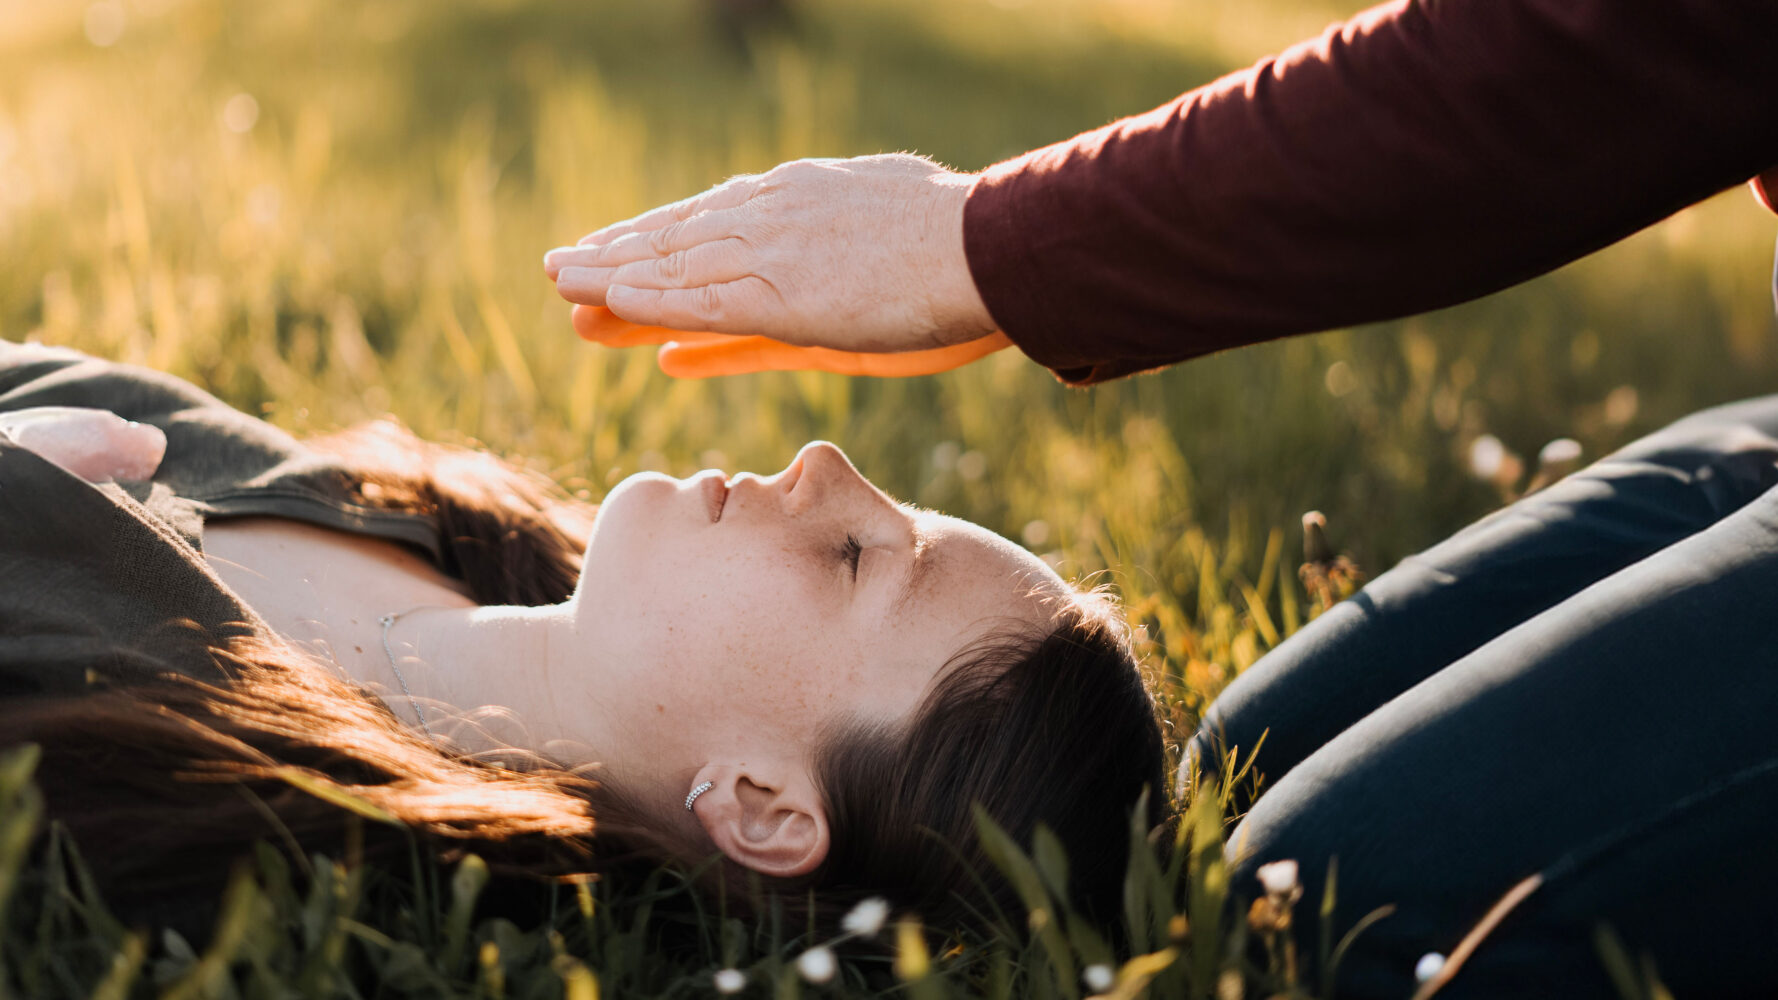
(1765, 188)
(1003, 242)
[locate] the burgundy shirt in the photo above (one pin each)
(1424, 153)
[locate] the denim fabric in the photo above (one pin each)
(1584, 686)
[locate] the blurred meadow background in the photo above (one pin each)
(326, 212)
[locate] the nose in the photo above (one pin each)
(821, 464)
(825, 458)
(821, 473)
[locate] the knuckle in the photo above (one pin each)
(660, 241)
(787, 175)
(604, 255)
(672, 268)
(707, 305)
(739, 184)
(732, 253)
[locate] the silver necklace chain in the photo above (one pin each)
(389, 621)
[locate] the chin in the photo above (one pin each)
(623, 516)
(635, 497)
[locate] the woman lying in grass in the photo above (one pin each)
(793, 671)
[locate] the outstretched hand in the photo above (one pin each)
(853, 266)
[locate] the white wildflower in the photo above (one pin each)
(817, 965)
(1429, 965)
(730, 981)
(1279, 877)
(1487, 455)
(1561, 451)
(1098, 977)
(867, 918)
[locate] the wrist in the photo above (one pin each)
(956, 310)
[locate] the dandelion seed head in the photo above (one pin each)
(1098, 977)
(730, 981)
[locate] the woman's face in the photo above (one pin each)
(721, 613)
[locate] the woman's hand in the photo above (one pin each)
(861, 255)
(95, 445)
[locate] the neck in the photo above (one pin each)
(489, 677)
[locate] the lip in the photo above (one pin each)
(716, 493)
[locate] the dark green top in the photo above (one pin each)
(106, 582)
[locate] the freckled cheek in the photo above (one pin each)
(791, 674)
(750, 631)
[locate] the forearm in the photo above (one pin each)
(1419, 155)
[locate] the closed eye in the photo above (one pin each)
(853, 549)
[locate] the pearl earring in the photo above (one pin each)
(701, 789)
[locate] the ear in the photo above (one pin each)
(766, 818)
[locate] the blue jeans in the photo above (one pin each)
(1583, 685)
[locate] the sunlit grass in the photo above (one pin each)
(326, 212)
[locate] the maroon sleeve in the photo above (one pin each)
(1423, 153)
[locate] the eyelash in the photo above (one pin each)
(853, 549)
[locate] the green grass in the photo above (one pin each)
(371, 245)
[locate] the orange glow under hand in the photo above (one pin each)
(706, 355)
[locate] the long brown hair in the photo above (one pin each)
(177, 777)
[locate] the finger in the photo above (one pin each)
(602, 326)
(707, 227)
(584, 286)
(735, 356)
(706, 264)
(723, 307)
(725, 195)
(716, 263)
(140, 450)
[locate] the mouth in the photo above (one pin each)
(716, 493)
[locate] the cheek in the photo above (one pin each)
(741, 672)
(704, 627)
(756, 660)
(694, 614)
